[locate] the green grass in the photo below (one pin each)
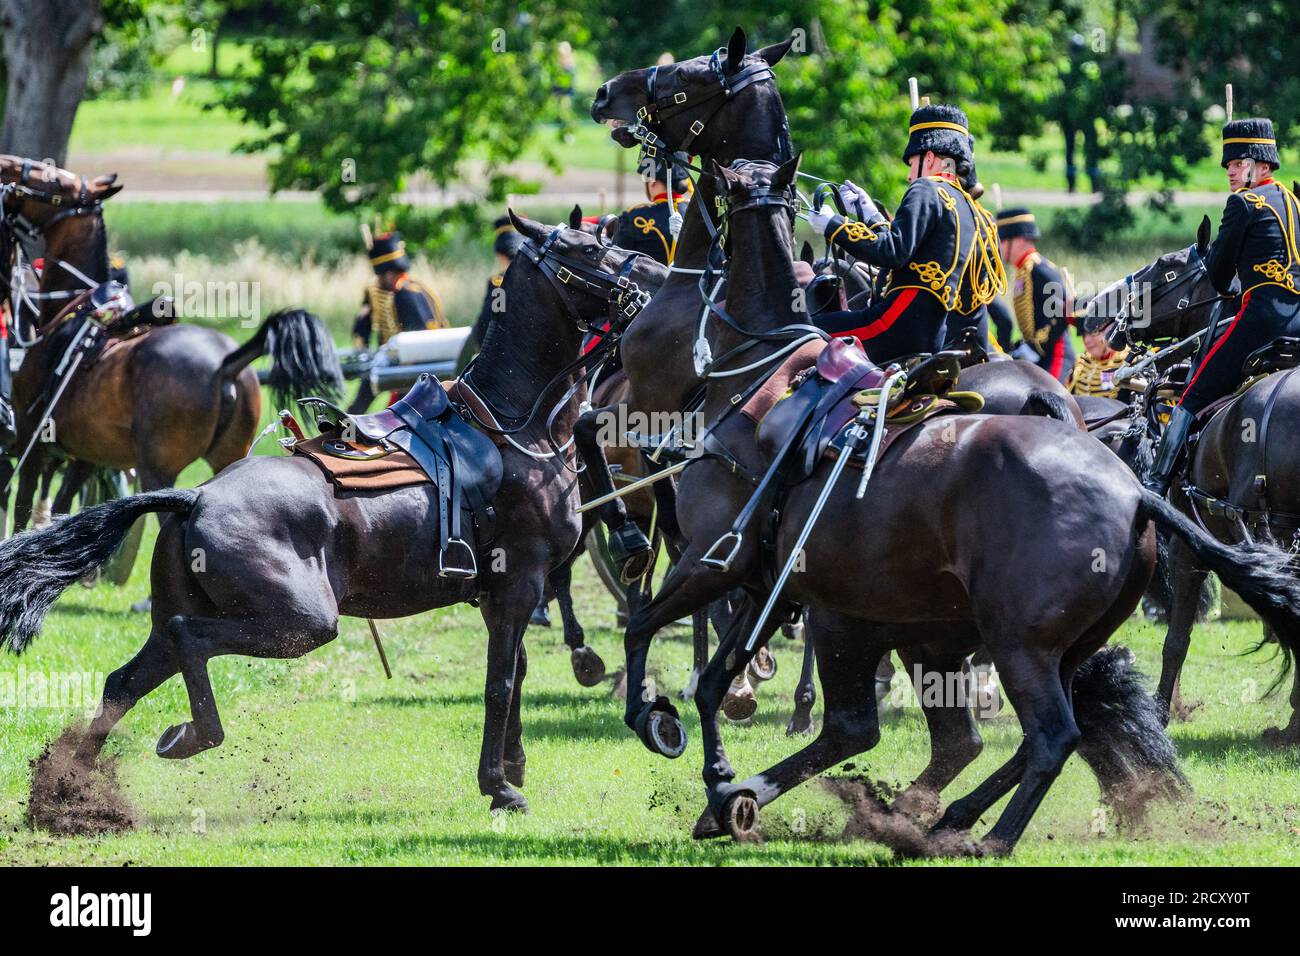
(326, 762)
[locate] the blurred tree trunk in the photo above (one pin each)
(47, 48)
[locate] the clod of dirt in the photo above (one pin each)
(873, 820)
(71, 799)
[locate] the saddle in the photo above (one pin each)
(461, 461)
(1280, 354)
(808, 420)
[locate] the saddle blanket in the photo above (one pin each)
(386, 471)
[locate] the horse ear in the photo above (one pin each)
(806, 252)
(575, 217)
(786, 172)
(736, 50)
(1203, 235)
(775, 53)
(525, 227)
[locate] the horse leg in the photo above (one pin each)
(196, 640)
(850, 725)
(28, 476)
(955, 739)
(628, 545)
(74, 477)
(513, 758)
(699, 651)
(6, 475)
(1188, 580)
(123, 688)
(805, 694)
(1288, 736)
(1034, 683)
(588, 668)
(44, 512)
(505, 612)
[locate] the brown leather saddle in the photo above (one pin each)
(461, 461)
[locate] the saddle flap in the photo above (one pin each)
(1282, 353)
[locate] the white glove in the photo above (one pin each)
(851, 193)
(1025, 352)
(819, 219)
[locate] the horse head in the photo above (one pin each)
(1171, 298)
(704, 105)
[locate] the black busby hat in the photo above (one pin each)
(388, 252)
(117, 271)
(941, 129)
(506, 240)
(1017, 222)
(1250, 139)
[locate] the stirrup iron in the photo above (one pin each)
(446, 570)
(723, 564)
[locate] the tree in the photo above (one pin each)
(47, 49)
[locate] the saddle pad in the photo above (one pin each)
(394, 470)
(778, 383)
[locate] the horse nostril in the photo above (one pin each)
(601, 100)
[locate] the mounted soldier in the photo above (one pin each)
(1256, 244)
(646, 227)
(393, 303)
(940, 249)
(1041, 296)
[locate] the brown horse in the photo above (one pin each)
(1240, 475)
(931, 557)
(155, 401)
(286, 556)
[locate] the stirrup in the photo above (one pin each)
(723, 564)
(446, 570)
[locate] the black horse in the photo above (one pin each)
(284, 557)
(1241, 479)
(926, 568)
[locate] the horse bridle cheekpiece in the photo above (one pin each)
(625, 298)
(1166, 284)
(652, 117)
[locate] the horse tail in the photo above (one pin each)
(1260, 573)
(1048, 405)
(37, 566)
(303, 360)
(1123, 739)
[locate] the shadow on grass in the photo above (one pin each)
(1228, 747)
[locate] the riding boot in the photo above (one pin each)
(1171, 445)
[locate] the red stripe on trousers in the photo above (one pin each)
(1244, 300)
(891, 316)
(1058, 357)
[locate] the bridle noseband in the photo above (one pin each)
(652, 117)
(625, 298)
(1195, 271)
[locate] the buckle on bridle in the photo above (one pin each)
(1171, 276)
(643, 112)
(697, 127)
(563, 274)
(679, 98)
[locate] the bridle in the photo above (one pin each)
(1170, 281)
(652, 117)
(16, 228)
(624, 300)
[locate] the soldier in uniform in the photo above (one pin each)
(1094, 370)
(1257, 244)
(645, 227)
(394, 303)
(940, 250)
(1041, 296)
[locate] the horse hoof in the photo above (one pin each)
(919, 803)
(514, 772)
(706, 827)
(509, 801)
(1280, 737)
(635, 567)
(665, 734)
(541, 617)
(180, 741)
(688, 692)
(763, 666)
(588, 668)
(794, 631)
(740, 816)
(801, 725)
(739, 706)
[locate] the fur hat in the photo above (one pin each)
(389, 253)
(1250, 139)
(941, 129)
(506, 239)
(1017, 223)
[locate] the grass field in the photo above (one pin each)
(326, 762)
